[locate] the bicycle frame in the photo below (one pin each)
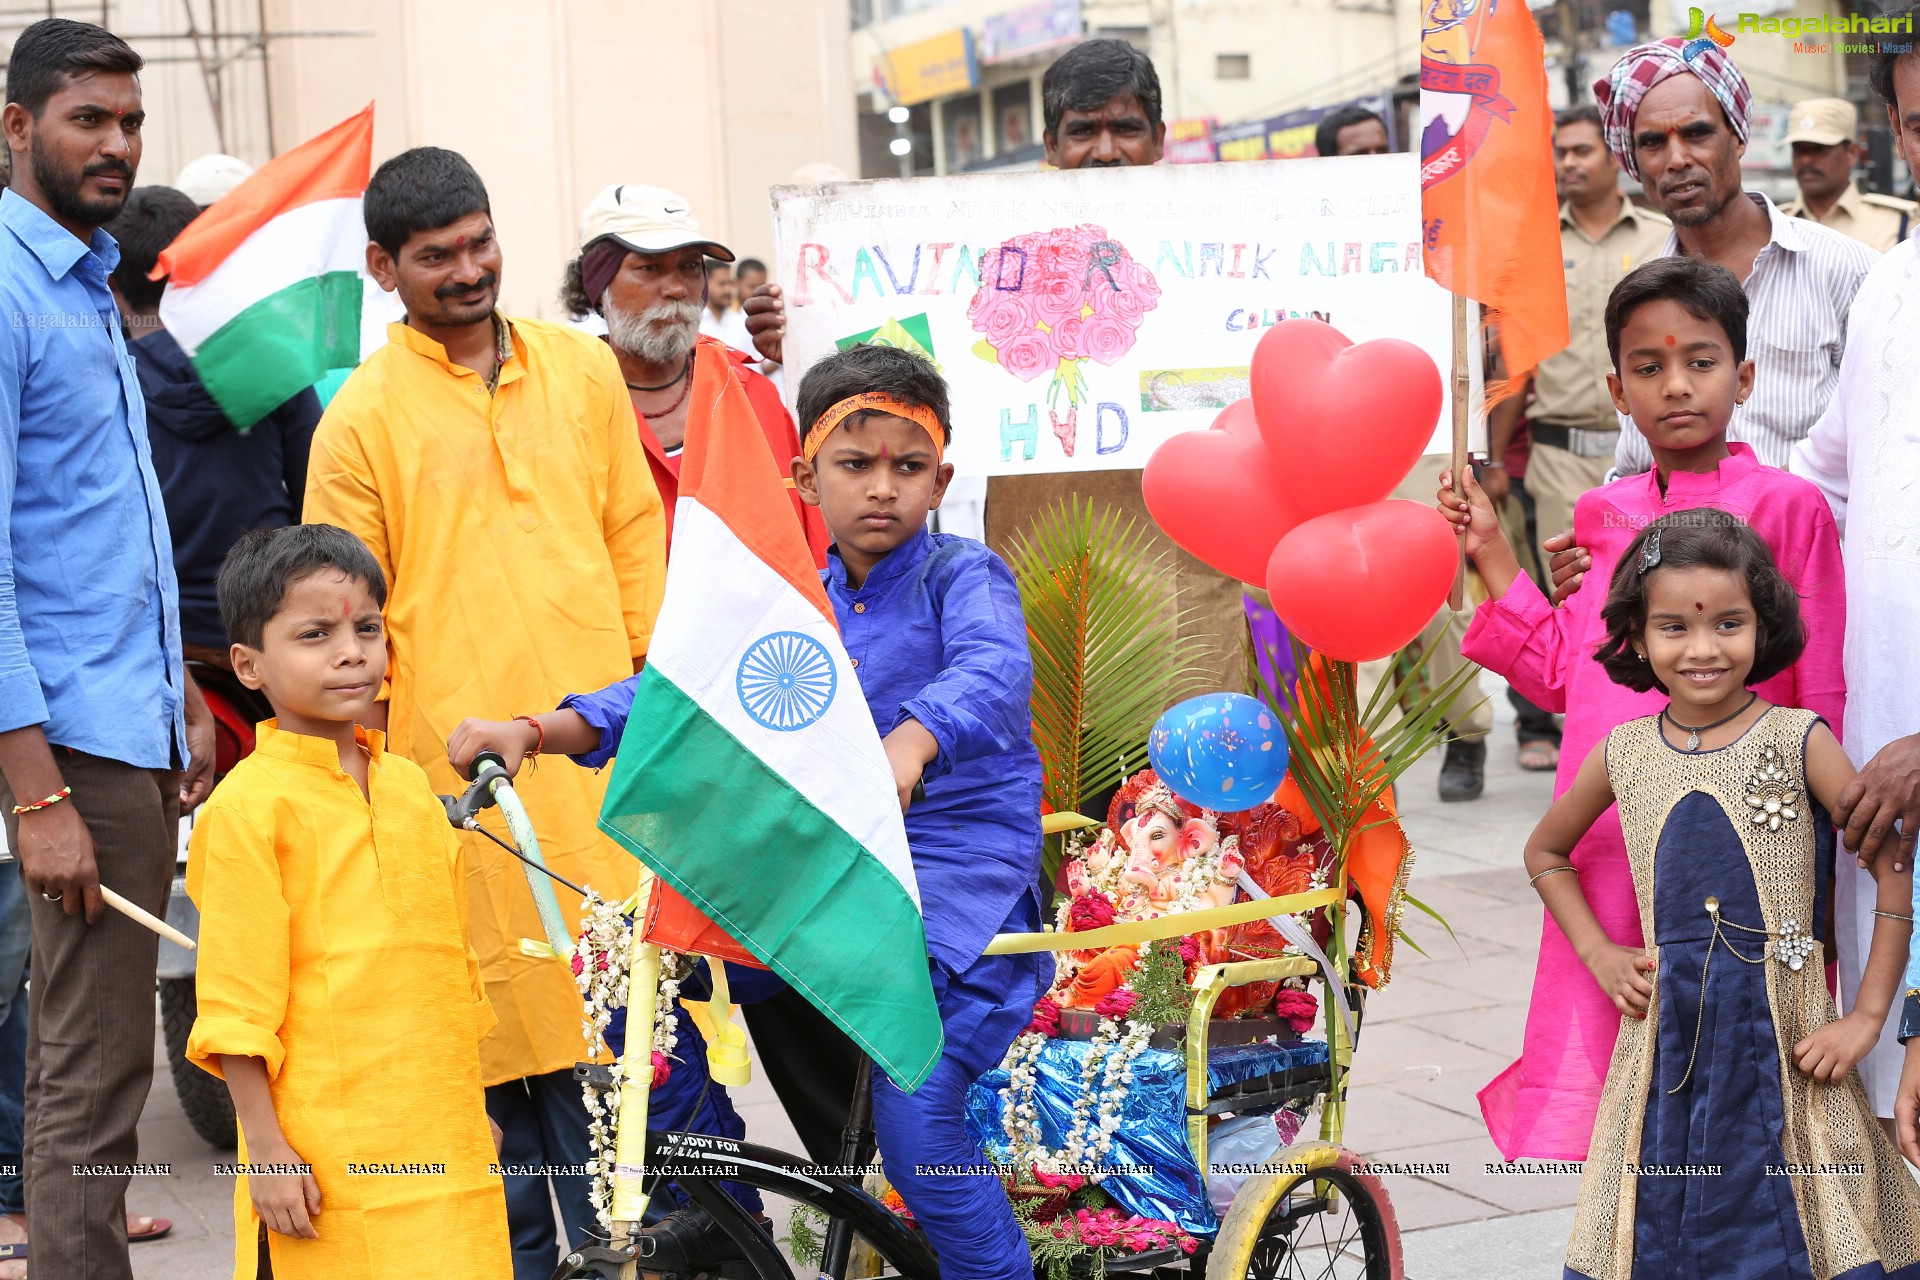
(636, 1150)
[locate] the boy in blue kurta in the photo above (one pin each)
(934, 627)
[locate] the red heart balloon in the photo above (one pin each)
(1216, 494)
(1360, 584)
(1345, 422)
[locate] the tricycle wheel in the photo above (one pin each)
(1321, 1215)
(202, 1096)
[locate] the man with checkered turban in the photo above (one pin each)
(1676, 115)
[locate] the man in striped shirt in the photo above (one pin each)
(1676, 117)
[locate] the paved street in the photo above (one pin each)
(1445, 1024)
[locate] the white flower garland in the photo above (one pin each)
(1096, 1111)
(601, 960)
(1019, 1117)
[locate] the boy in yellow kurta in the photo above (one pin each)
(339, 996)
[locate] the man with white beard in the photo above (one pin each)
(642, 268)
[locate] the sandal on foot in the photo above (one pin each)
(157, 1228)
(1539, 755)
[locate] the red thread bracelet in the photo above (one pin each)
(540, 743)
(48, 803)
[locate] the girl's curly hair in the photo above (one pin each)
(1709, 538)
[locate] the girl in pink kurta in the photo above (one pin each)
(1677, 335)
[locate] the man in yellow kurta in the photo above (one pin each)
(494, 470)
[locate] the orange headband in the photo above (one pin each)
(872, 402)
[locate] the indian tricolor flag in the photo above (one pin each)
(751, 777)
(265, 290)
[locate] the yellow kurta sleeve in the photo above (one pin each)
(341, 491)
(634, 519)
(242, 976)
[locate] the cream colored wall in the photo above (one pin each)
(550, 99)
(1303, 54)
(718, 100)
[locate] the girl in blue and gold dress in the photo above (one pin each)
(1734, 1140)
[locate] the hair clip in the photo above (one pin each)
(1650, 554)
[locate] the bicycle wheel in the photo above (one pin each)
(1322, 1216)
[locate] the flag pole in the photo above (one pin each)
(1462, 388)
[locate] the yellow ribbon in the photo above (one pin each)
(1177, 925)
(1053, 824)
(727, 1045)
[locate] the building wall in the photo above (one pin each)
(550, 99)
(1298, 53)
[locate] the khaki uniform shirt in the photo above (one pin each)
(1570, 389)
(1879, 222)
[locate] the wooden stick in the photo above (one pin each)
(144, 917)
(1462, 389)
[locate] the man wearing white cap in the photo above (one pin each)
(211, 176)
(642, 267)
(1822, 133)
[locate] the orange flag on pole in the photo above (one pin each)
(1490, 217)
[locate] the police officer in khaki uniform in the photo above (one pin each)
(1822, 132)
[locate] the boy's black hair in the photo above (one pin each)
(1706, 289)
(1326, 134)
(1703, 536)
(53, 51)
(420, 190)
(873, 367)
(150, 220)
(1581, 113)
(1888, 52)
(265, 563)
(1094, 73)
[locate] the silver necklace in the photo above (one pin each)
(1694, 731)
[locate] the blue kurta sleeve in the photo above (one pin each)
(607, 711)
(979, 703)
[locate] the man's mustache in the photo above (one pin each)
(482, 285)
(116, 168)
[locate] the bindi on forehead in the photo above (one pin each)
(1671, 340)
(1698, 607)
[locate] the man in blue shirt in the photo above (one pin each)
(102, 737)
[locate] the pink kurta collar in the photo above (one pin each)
(1692, 488)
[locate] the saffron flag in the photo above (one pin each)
(750, 777)
(1491, 222)
(267, 290)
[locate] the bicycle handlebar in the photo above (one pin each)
(492, 786)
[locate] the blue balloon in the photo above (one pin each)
(1220, 751)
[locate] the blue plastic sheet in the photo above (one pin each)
(1234, 1063)
(1156, 1175)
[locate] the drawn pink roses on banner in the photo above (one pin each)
(1051, 299)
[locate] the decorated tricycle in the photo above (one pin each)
(1177, 1102)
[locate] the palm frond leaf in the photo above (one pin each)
(1108, 657)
